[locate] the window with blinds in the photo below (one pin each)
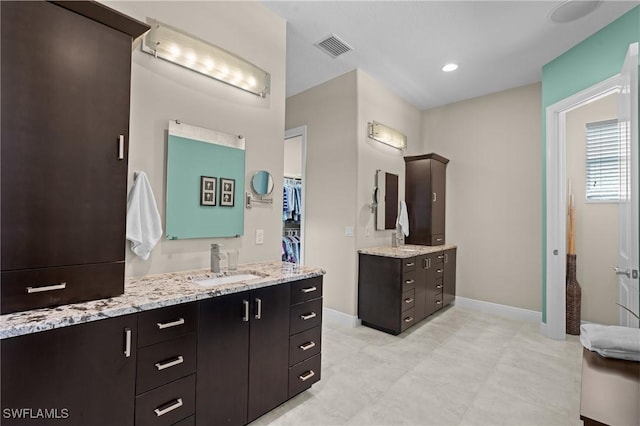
(603, 161)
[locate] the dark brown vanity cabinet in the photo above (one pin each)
(64, 128)
(77, 375)
(243, 353)
(425, 195)
(396, 293)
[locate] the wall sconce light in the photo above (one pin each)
(173, 45)
(387, 135)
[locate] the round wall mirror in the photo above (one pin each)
(262, 183)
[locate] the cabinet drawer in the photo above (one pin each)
(40, 288)
(437, 300)
(305, 345)
(303, 375)
(166, 323)
(408, 280)
(305, 316)
(167, 404)
(165, 361)
(408, 299)
(304, 290)
(408, 264)
(408, 319)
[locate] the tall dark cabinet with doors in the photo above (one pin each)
(425, 194)
(66, 72)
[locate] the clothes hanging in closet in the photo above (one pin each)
(291, 199)
(291, 249)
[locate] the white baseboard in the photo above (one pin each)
(339, 318)
(502, 310)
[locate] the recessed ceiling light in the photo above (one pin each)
(450, 67)
(570, 10)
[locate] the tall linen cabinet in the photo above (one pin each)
(66, 72)
(425, 195)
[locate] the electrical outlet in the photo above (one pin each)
(259, 236)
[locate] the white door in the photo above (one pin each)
(627, 269)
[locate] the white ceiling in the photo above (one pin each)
(404, 44)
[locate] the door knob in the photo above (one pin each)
(618, 271)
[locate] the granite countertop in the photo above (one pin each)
(404, 251)
(151, 292)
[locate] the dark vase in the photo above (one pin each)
(573, 297)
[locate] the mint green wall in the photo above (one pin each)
(591, 61)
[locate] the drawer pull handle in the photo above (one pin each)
(439, 271)
(308, 316)
(245, 317)
(408, 300)
(306, 376)
(410, 264)
(160, 366)
(168, 408)
(127, 342)
(441, 256)
(438, 239)
(60, 286)
(439, 286)
(409, 281)
(308, 289)
(408, 319)
(438, 302)
(163, 325)
(307, 346)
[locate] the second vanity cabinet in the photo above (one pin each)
(395, 293)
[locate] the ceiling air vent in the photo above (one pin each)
(333, 46)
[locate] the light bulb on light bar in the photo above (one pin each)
(387, 135)
(174, 45)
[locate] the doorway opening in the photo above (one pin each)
(294, 194)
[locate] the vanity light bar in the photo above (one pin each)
(174, 45)
(387, 135)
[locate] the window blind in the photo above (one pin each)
(603, 161)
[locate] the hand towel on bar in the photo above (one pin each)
(403, 219)
(611, 341)
(144, 225)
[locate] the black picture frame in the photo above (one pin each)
(208, 191)
(227, 192)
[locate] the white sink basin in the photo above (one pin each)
(225, 279)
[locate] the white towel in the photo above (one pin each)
(611, 341)
(403, 219)
(144, 225)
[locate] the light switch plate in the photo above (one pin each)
(259, 236)
(348, 231)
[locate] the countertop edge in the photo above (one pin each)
(404, 251)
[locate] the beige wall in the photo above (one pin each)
(596, 223)
(493, 192)
(329, 112)
(161, 91)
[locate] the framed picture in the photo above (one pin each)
(227, 192)
(207, 191)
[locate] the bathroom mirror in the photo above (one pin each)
(386, 199)
(262, 183)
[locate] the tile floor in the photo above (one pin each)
(460, 367)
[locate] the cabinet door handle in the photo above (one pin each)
(127, 342)
(60, 286)
(408, 319)
(306, 376)
(163, 325)
(258, 309)
(160, 366)
(410, 264)
(435, 197)
(121, 147)
(245, 317)
(308, 316)
(409, 281)
(408, 300)
(307, 346)
(162, 410)
(308, 289)
(446, 258)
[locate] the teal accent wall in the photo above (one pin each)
(187, 161)
(593, 60)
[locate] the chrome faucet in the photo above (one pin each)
(215, 257)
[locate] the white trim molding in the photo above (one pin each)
(556, 232)
(333, 317)
(500, 310)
